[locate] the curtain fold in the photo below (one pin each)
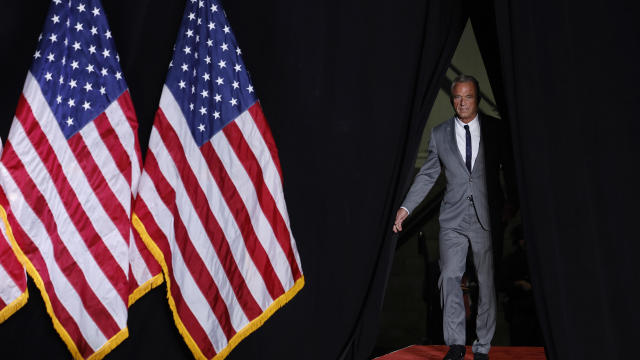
(444, 22)
(570, 73)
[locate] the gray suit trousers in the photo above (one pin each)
(453, 253)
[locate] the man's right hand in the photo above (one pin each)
(400, 216)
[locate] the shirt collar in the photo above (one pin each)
(473, 124)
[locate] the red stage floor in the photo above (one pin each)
(437, 352)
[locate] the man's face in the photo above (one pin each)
(465, 101)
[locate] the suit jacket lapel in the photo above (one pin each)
(453, 143)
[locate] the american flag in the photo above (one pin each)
(69, 169)
(13, 280)
(210, 204)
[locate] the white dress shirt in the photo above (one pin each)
(461, 138)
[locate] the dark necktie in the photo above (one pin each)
(468, 157)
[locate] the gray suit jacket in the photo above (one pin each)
(463, 188)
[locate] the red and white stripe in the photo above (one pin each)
(13, 279)
(217, 214)
(70, 213)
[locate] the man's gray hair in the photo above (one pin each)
(462, 78)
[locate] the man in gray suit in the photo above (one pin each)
(471, 164)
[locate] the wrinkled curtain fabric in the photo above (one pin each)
(570, 71)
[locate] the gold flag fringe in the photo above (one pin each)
(240, 335)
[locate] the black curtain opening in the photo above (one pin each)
(443, 24)
(570, 71)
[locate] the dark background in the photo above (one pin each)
(346, 87)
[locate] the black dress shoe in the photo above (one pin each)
(456, 352)
(480, 356)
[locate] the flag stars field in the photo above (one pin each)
(214, 65)
(84, 48)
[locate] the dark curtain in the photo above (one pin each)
(571, 78)
(443, 25)
(346, 87)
